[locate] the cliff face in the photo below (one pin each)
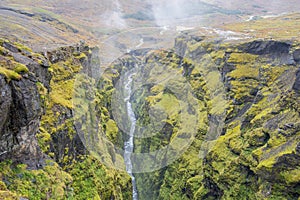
(42, 155)
(241, 101)
(21, 107)
(29, 92)
(257, 153)
(247, 141)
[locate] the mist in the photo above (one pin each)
(113, 15)
(168, 12)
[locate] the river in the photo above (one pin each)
(129, 144)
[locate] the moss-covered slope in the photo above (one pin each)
(246, 145)
(236, 106)
(52, 163)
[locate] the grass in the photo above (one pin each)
(283, 27)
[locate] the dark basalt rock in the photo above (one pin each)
(10, 47)
(180, 45)
(21, 110)
(40, 71)
(5, 102)
(19, 121)
(21, 107)
(296, 85)
(261, 47)
(61, 138)
(276, 51)
(296, 55)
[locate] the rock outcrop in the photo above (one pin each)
(240, 100)
(296, 85)
(41, 153)
(21, 107)
(247, 146)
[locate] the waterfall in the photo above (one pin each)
(129, 145)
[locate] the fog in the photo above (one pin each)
(112, 16)
(165, 11)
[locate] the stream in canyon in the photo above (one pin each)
(129, 144)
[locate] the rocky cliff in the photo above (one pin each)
(42, 156)
(247, 139)
(237, 105)
(21, 108)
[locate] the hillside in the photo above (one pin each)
(206, 107)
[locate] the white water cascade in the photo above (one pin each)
(129, 145)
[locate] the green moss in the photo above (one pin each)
(86, 178)
(62, 82)
(44, 138)
(155, 90)
(257, 137)
(196, 46)
(112, 130)
(50, 70)
(217, 105)
(43, 91)
(2, 186)
(244, 71)
(81, 56)
(213, 80)
(169, 104)
(238, 165)
(10, 74)
(242, 58)
(217, 55)
(271, 159)
(8, 195)
(64, 70)
(291, 176)
(276, 140)
(37, 184)
(62, 93)
(20, 68)
(22, 47)
(93, 181)
(3, 51)
(242, 89)
(272, 73)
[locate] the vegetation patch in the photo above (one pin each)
(10, 74)
(242, 58)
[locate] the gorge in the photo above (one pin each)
(209, 112)
(129, 145)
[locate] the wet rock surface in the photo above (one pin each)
(20, 115)
(296, 85)
(21, 110)
(296, 55)
(22, 105)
